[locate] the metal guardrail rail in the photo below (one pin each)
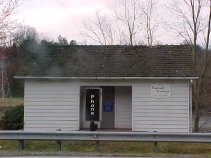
(98, 136)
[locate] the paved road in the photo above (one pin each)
(76, 157)
(81, 157)
(186, 156)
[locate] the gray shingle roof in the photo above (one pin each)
(112, 61)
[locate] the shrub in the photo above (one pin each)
(13, 118)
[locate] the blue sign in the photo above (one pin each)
(107, 106)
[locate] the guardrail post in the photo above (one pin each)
(21, 144)
(59, 145)
(98, 146)
(155, 147)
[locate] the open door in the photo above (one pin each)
(108, 111)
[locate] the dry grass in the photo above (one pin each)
(8, 102)
(11, 101)
(131, 148)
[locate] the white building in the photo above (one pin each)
(135, 88)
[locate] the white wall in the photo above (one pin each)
(51, 106)
(169, 114)
(123, 107)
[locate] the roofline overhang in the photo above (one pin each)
(108, 78)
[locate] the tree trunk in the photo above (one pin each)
(196, 115)
(131, 39)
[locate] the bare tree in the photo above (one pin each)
(99, 30)
(129, 14)
(25, 32)
(190, 25)
(149, 20)
(130, 21)
(189, 20)
(7, 9)
(198, 88)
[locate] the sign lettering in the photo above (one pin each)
(92, 104)
(160, 90)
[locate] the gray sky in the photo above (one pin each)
(55, 17)
(65, 17)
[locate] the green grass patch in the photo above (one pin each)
(126, 147)
(110, 147)
(40, 145)
(8, 145)
(185, 148)
(78, 146)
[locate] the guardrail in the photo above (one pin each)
(98, 136)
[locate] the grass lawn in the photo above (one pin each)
(8, 102)
(115, 148)
(11, 101)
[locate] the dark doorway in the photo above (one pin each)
(108, 107)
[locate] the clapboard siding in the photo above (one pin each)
(161, 107)
(51, 106)
(52, 103)
(69, 99)
(45, 118)
(169, 114)
(123, 107)
(159, 118)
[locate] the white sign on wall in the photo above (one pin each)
(160, 90)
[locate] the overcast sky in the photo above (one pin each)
(65, 17)
(59, 17)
